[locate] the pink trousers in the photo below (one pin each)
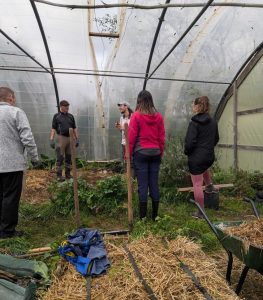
(197, 181)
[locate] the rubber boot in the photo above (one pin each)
(67, 166)
(59, 176)
(155, 206)
(143, 209)
(67, 173)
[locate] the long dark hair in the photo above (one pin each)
(130, 112)
(145, 103)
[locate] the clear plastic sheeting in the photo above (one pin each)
(93, 73)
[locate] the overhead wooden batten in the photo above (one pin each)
(105, 34)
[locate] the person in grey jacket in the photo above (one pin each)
(15, 138)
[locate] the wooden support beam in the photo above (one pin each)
(105, 34)
(242, 147)
(218, 186)
(129, 178)
(75, 178)
(235, 129)
(250, 111)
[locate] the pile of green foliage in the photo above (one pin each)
(107, 196)
(245, 183)
(174, 174)
(174, 171)
(47, 163)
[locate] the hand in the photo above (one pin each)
(77, 143)
(36, 164)
(118, 125)
(52, 144)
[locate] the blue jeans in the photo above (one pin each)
(147, 173)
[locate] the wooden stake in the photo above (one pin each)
(36, 250)
(129, 180)
(75, 179)
(23, 186)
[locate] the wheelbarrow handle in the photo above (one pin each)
(206, 218)
(230, 256)
(253, 206)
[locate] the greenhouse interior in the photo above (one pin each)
(96, 55)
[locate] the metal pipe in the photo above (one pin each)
(161, 19)
(118, 76)
(47, 49)
(223, 100)
(158, 6)
(253, 206)
(24, 51)
(183, 35)
(13, 54)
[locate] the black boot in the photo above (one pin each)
(155, 206)
(67, 173)
(59, 176)
(143, 209)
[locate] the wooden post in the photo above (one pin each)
(75, 179)
(129, 180)
(23, 193)
(235, 125)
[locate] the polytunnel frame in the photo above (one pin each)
(165, 6)
(237, 81)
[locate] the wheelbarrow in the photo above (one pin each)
(251, 256)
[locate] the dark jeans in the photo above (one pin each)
(147, 173)
(10, 193)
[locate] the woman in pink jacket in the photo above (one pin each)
(146, 141)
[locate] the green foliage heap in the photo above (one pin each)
(245, 183)
(174, 171)
(107, 196)
(174, 174)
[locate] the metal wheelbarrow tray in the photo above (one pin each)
(250, 255)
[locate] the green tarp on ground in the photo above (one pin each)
(24, 267)
(12, 291)
(21, 268)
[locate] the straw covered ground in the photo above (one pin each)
(35, 190)
(253, 285)
(159, 267)
(250, 233)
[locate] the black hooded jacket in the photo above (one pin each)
(201, 138)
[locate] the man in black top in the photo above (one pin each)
(61, 124)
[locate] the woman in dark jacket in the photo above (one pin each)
(201, 138)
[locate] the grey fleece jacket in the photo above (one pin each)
(15, 137)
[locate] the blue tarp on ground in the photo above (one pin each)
(86, 250)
